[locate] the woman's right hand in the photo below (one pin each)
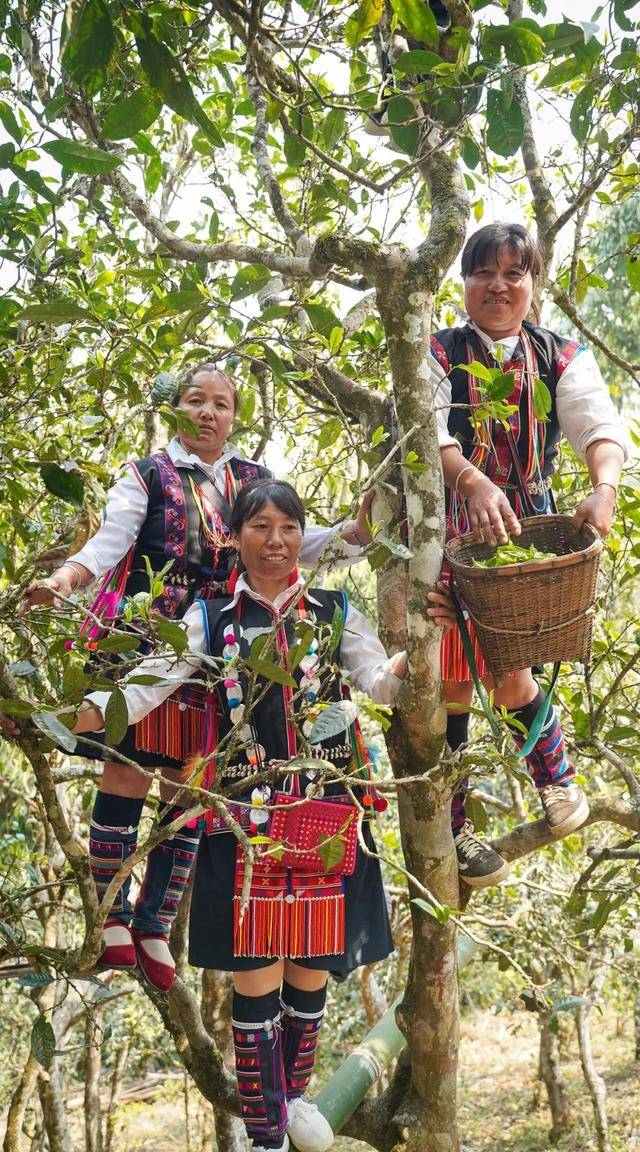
(491, 516)
(89, 719)
(47, 591)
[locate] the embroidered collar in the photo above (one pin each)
(281, 600)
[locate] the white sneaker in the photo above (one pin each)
(261, 1148)
(307, 1127)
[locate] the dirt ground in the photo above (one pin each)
(502, 1108)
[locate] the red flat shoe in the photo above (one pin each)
(155, 960)
(119, 950)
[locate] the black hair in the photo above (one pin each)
(252, 499)
(188, 379)
(484, 245)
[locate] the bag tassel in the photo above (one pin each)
(288, 914)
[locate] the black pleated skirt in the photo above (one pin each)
(367, 930)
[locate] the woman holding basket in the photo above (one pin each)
(494, 476)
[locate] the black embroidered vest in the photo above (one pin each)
(269, 714)
(172, 530)
(454, 346)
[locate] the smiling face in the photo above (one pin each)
(269, 544)
(209, 400)
(498, 293)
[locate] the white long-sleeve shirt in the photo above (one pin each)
(585, 410)
(128, 502)
(363, 658)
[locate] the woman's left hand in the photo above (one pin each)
(443, 611)
(597, 509)
(357, 531)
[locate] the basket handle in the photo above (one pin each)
(543, 711)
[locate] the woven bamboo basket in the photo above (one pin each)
(537, 612)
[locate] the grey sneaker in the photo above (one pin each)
(565, 808)
(479, 865)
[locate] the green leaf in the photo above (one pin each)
(89, 47)
(172, 633)
(329, 433)
(369, 14)
(20, 709)
(521, 44)
(579, 117)
(43, 1041)
(418, 19)
(22, 668)
(118, 644)
(68, 485)
(249, 280)
(295, 149)
(173, 304)
(476, 813)
(403, 123)
(116, 718)
(470, 152)
(36, 979)
(393, 547)
(440, 913)
(48, 723)
(417, 62)
(480, 371)
(301, 649)
(633, 272)
(562, 73)
(505, 125)
(541, 400)
(131, 115)
(33, 181)
(333, 128)
(501, 386)
(570, 1003)
(83, 158)
(336, 718)
(337, 628)
(61, 311)
(9, 122)
(270, 671)
(331, 850)
(321, 317)
(167, 76)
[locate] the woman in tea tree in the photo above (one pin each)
(170, 509)
(494, 476)
(284, 927)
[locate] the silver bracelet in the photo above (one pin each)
(74, 568)
(606, 484)
(467, 468)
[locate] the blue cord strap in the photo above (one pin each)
(543, 711)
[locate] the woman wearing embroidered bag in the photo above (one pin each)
(304, 916)
(495, 475)
(173, 509)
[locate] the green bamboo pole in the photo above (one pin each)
(348, 1086)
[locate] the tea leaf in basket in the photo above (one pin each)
(507, 554)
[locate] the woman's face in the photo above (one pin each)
(208, 400)
(269, 544)
(498, 294)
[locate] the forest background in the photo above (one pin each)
(193, 181)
